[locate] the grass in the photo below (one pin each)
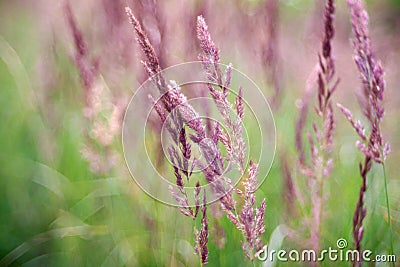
(54, 211)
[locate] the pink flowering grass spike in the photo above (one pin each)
(249, 221)
(371, 144)
(103, 112)
(318, 167)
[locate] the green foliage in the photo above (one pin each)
(55, 212)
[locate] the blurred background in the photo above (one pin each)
(66, 196)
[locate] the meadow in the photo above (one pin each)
(87, 136)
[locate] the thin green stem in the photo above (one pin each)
(321, 179)
(388, 212)
(196, 244)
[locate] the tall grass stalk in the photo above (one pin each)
(388, 212)
(320, 138)
(372, 145)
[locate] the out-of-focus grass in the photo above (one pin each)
(54, 211)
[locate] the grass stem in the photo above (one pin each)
(388, 213)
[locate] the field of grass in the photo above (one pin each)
(56, 209)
